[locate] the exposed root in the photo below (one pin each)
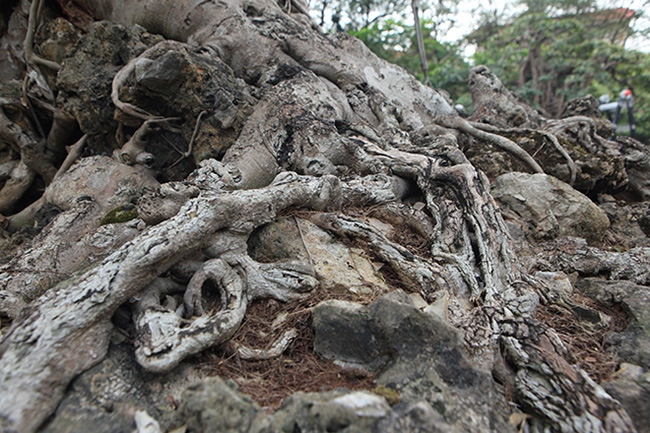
(28, 45)
(277, 348)
(122, 76)
(573, 171)
(188, 152)
(20, 180)
(133, 152)
(461, 124)
(415, 273)
(74, 152)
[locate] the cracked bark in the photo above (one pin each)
(37, 363)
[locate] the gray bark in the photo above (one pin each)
(37, 361)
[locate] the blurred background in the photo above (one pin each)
(547, 51)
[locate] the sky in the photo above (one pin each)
(466, 21)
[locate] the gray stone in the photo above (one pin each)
(633, 344)
(632, 389)
(637, 166)
(165, 74)
(413, 352)
(214, 406)
(334, 411)
(630, 222)
(549, 207)
(358, 349)
(336, 266)
(87, 74)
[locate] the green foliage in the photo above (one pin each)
(549, 60)
(552, 52)
(559, 6)
(395, 41)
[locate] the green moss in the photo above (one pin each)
(120, 214)
(391, 396)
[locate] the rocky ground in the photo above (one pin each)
(370, 344)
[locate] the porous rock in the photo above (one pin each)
(215, 406)
(633, 344)
(413, 352)
(105, 398)
(550, 207)
(632, 389)
(87, 74)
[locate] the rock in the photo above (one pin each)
(214, 406)
(182, 84)
(356, 411)
(88, 192)
(588, 106)
(413, 352)
(633, 344)
(630, 223)
(165, 74)
(336, 266)
(109, 183)
(359, 348)
(60, 38)
(550, 207)
(637, 165)
(495, 104)
(106, 398)
(87, 74)
(558, 283)
(632, 389)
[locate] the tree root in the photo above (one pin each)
(122, 76)
(36, 363)
(20, 180)
(188, 152)
(561, 394)
(418, 275)
(133, 151)
(469, 232)
(165, 339)
(28, 45)
(573, 171)
(509, 146)
(74, 152)
(277, 348)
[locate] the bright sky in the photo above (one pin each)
(466, 20)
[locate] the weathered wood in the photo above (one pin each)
(38, 359)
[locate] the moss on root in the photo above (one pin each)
(120, 214)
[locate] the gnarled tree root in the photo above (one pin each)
(550, 387)
(36, 363)
(460, 124)
(573, 170)
(165, 338)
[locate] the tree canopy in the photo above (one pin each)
(548, 52)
